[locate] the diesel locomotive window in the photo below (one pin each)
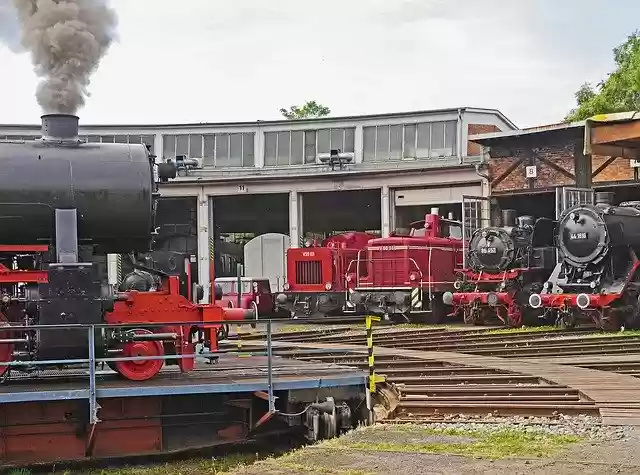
(216, 150)
(299, 147)
(417, 141)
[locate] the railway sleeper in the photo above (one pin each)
(555, 399)
(505, 389)
(421, 408)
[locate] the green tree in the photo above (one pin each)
(310, 110)
(619, 92)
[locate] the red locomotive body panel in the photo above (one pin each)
(397, 273)
(316, 275)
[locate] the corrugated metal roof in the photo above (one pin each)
(486, 138)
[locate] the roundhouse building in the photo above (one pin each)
(306, 177)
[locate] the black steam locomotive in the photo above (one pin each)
(64, 205)
(598, 271)
(506, 264)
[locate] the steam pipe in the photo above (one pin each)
(154, 336)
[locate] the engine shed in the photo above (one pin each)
(526, 168)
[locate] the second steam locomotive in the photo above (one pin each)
(598, 273)
(506, 264)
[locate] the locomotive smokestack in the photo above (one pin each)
(604, 198)
(60, 127)
(509, 217)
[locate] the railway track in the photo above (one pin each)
(434, 390)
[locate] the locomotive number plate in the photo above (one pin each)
(577, 236)
(488, 250)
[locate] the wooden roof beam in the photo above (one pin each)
(615, 132)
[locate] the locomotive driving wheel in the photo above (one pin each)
(140, 370)
(6, 349)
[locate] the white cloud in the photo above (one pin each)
(215, 60)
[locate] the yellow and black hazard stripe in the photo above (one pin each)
(119, 268)
(373, 378)
(416, 298)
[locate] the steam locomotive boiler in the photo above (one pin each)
(64, 205)
(597, 275)
(506, 265)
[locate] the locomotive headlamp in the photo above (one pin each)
(413, 276)
(447, 298)
(492, 299)
(286, 286)
(327, 286)
(349, 278)
(592, 284)
(535, 301)
(582, 301)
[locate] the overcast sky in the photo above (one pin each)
(223, 60)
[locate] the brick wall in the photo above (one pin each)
(474, 149)
(560, 154)
(618, 170)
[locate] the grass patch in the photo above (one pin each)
(626, 333)
(481, 444)
(197, 466)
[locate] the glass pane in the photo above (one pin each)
(324, 141)
(235, 159)
(382, 143)
(437, 135)
(94, 139)
(248, 159)
(135, 139)
(222, 150)
(424, 140)
(182, 146)
(121, 139)
(168, 146)
(270, 147)
(107, 138)
(297, 147)
(283, 148)
(369, 145)
(209, 143)
(195, 145)
(349, 140)
(149, 140)
(310, 146)
(409, 141)
(337, 139)
(450, 135)
(395, 146)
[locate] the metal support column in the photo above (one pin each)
(93, 402)
(204, 223)
(296, 233)
(272, 404)
(385, 211)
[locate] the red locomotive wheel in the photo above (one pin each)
(140, 370)
(6, 349)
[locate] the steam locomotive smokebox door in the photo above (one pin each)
(72, 296)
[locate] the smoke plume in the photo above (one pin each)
(66, 39)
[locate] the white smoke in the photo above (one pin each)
(66, 39)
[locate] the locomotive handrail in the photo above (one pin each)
(93, 361)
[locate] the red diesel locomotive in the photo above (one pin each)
(317, 276)
(405, 276)
(506, 264)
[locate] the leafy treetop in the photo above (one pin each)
(619, 92)
(310, 110)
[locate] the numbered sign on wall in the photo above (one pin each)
(532, 171)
